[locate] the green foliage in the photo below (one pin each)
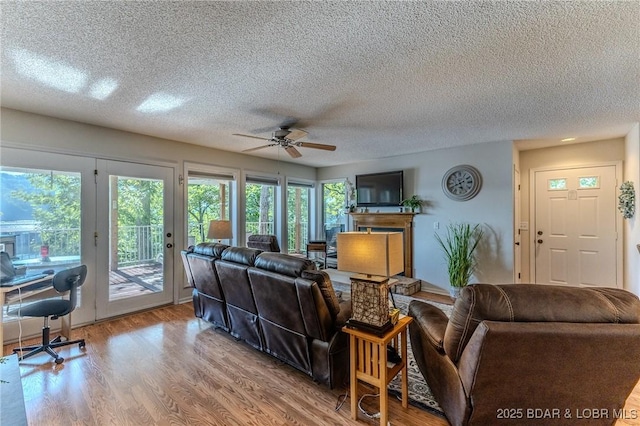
(335, 200)
(259, 207)
(414, 202)
(203, 207)
(297, 217)
(627, 200)
(55, 200)
(459, 246)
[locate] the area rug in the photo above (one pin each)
(419, 393)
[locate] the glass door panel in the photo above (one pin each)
(138, 202)
(47, 216)
(135, 238)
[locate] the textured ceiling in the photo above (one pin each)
(376, 79)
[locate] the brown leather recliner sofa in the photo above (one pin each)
(530, 354)
(277, 303)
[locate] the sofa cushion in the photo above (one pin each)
(284, 264)
(535, 303)
(210, 249)
(324, 284)
(241, 255)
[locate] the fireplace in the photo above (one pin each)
(396, 222)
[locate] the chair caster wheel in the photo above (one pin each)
(59, 360)
(81, 345)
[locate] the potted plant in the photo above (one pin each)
(413, 203)
(459, 245)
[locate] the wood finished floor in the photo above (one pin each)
(165, 367)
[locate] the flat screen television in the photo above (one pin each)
(379, 189)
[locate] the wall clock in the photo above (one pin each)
(462, 183)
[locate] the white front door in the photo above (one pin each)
(575, 236)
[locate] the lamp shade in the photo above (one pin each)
(220, 230)
(371, 253)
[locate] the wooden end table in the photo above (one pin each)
(369, 364)
(318, 246)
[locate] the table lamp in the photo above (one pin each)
(375, 256)
(220, 230)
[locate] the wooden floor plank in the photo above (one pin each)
(166, 367)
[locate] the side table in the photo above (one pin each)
(369, 364)
(318, 246)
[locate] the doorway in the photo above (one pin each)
(134, 237)
(574, 237)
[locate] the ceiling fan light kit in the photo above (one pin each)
(287, 138)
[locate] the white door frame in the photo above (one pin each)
(517, 232)
(532, 216)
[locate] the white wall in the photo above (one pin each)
(25, 130)
(632, 226)
(31, 131)
(492, 207)
(559, 156)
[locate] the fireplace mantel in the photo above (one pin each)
(400, 221)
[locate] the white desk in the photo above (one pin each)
(66, 320)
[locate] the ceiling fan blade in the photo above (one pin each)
(316, 146)
(260, 147)
(250, 136)
(292, 151)
(296, 134)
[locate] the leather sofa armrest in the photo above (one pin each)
(344, 314)
(432, 320)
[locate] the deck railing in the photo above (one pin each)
(136, 244)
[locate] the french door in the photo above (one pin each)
(115, 217)
(134, 237)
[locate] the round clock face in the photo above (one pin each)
(461, 183)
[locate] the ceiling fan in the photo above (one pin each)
(287, 138)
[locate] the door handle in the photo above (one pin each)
(540, 232)
(169, 245)
(517, 243)
(540, 241)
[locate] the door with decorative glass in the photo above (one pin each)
(577, 227)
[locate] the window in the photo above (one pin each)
(208, 198)
(334, 201)
(298, 196)
(589, 182)
(558, 184)
(260, 214)
(41, 216)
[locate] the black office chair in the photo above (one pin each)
(64, 281)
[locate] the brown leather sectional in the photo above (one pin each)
(277, 303)
(530, 354)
